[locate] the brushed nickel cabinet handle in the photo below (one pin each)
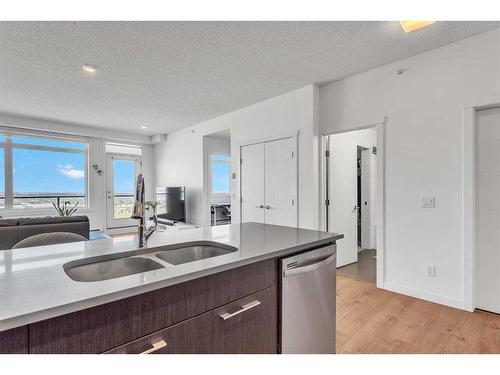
(243, 308)
(156, 346)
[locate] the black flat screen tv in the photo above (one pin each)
(175, 204)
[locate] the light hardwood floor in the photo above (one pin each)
(371, 320)
(365, 269)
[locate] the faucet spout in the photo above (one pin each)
(138, 212)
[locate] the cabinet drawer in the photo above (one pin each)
(14, 341)
(248, 325)
(107, 326)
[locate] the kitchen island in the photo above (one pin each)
(52, 300)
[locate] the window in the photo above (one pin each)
(2, 176)
(37, 171)
(118, 148)
(220, 167)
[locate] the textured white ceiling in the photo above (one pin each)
(169, 75)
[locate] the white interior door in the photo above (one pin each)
(366, 178)
(122, 172)
(488, 210)
(252, 183)
(281, 182)
(343, 199)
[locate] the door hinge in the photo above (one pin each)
(327, 202)
(292, 154)
(241, 199)
(293, 201)
(241, 160)
(327, 153)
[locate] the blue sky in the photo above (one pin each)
(47, 171)
(220, 175)
(124, 176)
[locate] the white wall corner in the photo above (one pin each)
(158, 138)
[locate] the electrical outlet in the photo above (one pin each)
(428, 202)
(430, 271)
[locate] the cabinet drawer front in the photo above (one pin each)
(248, 325)
(14, 341)
(107, 326)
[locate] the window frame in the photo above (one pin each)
(8, 146)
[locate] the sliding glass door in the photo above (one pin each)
(121, 179)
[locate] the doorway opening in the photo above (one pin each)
(217, 178)
(123, 164)
(351, 184)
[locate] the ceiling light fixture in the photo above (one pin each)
(409, 26)
(144, 127)
(91, 69)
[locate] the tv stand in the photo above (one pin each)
(167, 225)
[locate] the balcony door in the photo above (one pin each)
(120, 189)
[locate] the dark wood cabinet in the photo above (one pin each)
(248, 325)
(181, 312)
(251, 326)
(14, 341)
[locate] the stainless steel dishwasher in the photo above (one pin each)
(308, 292)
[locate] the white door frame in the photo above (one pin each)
(110, 180)
(295, 136)
(380, 129)
(469, 147)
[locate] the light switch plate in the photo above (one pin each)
(428, 202)
(430, 271)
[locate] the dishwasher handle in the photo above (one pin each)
(309, 267)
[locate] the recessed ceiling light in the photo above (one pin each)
(91, 69)
(144, 127)
(409, 26)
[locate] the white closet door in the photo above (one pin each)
(488, 210)
(280, 182)
(252, 183)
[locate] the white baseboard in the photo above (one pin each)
(420, 294)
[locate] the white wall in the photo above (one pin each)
(212, 145)
(179, 160)
(423, 154)
(96, 139)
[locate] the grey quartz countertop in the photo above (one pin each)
(34, 285)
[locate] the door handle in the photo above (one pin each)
(261, 206)
(156, 346)
(246, 307)
(268, 207)
(355, 208)
(309, 267)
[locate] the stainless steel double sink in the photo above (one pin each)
(143, 260)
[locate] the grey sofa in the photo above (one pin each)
(14, 230)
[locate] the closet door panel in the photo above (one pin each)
(252, 183)
(280, 182)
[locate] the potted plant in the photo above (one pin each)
(152, 206)
(66, 209)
